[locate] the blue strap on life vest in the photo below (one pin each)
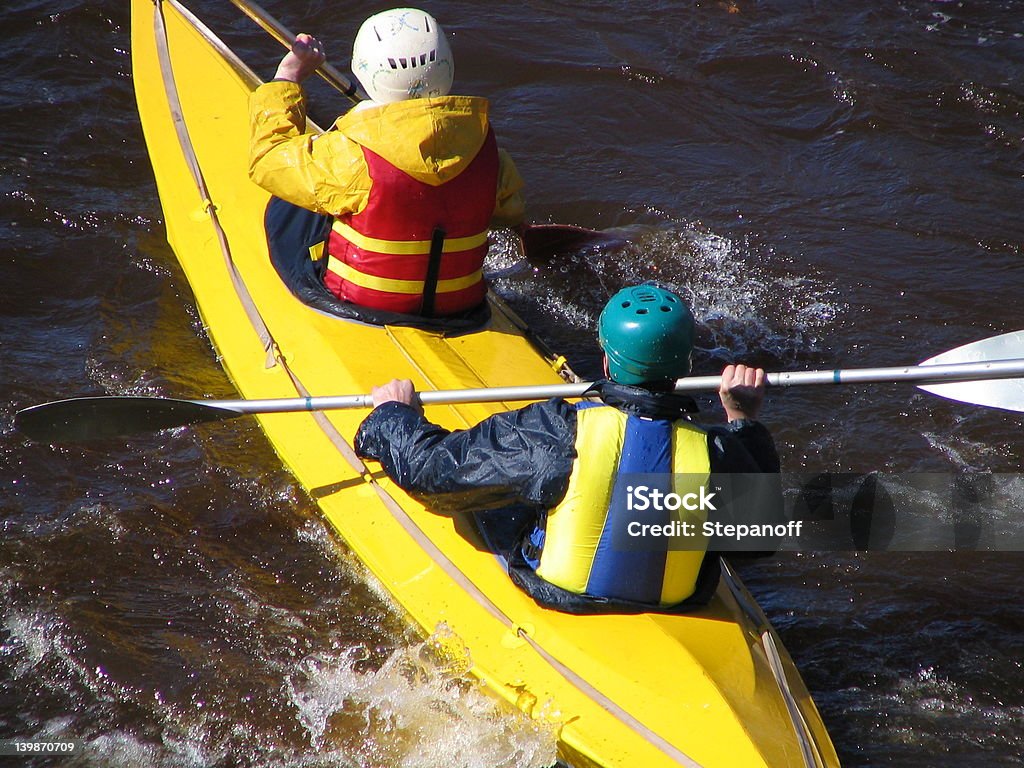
(637, 572)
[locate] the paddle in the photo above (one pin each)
(286, 38)
(989, 372)
(541, 242)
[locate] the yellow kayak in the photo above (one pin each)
(713, 688)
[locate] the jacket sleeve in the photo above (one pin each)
(509, 208)
(325, 173)
(743, 445)
(746, 467)
(519, 457)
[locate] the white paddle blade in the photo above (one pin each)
(1007, 394)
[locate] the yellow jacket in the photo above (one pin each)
(432, 140)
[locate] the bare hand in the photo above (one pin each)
(742, 391)
(395, 391)
(302, 60)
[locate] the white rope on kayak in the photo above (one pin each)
(192, 161)
(771, 650)
(808, 748)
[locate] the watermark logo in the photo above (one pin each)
(640, 498)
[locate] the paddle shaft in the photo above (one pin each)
(286, 38)
(90, 418)
(920, 374)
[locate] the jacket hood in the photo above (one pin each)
(432, 140)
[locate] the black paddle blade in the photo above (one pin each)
(93, 418)
(542, 242)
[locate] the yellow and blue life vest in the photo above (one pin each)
(583, 545)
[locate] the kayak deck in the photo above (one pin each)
(711, 688)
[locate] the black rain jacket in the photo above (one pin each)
(526, 456)
(519, 463)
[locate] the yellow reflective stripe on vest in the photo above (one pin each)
(406, 247)
(395, 285)
(691, 464)
(574, 527)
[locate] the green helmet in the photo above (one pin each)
(646, 333)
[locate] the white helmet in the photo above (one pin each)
(402, 54)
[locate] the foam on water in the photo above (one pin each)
(747, 300)
(419, 709)
(964, 453)
(275, 647)
(931, 696)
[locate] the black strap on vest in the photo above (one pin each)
(433, 270)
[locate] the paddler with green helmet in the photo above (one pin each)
(583, 480)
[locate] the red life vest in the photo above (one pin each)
(379, 257)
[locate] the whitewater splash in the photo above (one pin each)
(419, 709)
(233, 664)
(748, 301)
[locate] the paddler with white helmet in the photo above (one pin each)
(413, 177)
(570, 473)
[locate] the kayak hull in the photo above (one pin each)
(710, 688)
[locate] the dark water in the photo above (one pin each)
(831, 183)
